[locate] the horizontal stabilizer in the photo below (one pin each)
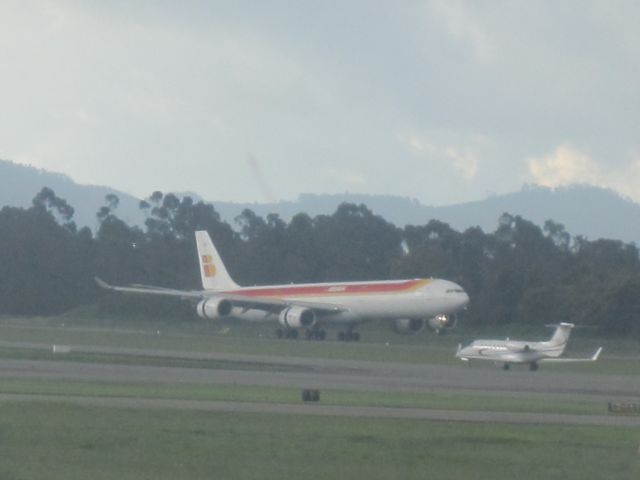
(593, 358)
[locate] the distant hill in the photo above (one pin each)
(20, 183)
(584, 210)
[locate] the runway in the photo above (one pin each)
(332, 410)
(272, 371)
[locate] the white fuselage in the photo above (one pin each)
(512, 351)
(356, 301)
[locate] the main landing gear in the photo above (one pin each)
(316, 334)
(309, 334)
(287, 333)
(349, 336)
(533, 366)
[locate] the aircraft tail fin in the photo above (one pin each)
(212, 270)
(559, 339)
(561, 335)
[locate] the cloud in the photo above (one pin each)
(350, 178)
(567, 165)
(564, 166)
(466, 28)
(461, 156)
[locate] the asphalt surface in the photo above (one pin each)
(336, 375)
(333, 410)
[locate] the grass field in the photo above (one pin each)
(66, 442)
(620, 356)
(242, 393)
(60, 441)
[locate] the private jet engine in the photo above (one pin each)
(408, 325)
(214, 308)
(441, 323)
(297, 317)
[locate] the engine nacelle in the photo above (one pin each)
(442, 322)
(408, 325)
(297, 317)
(214, 308)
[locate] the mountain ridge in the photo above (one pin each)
(592, 212)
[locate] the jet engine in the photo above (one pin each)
(214, 308)
(296, 317)
(442, 322)
(408, 325)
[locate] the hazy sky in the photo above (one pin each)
(445, 101)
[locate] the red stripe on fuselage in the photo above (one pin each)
(332, 289)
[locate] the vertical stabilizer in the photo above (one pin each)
(212, 271)
(560, 337)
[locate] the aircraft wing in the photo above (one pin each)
(238, 300)
(151, 290)
(593, 358)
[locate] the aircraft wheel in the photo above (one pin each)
(506, 366)
(279, 333)
(314, 334)
(341, 336)
(293, 334)
(322, 334)
(355, 336)
(533, 367)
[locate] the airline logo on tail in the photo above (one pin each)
(208, 267)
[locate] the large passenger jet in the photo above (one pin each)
(307, 308)
(515, 351)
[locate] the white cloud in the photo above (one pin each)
(464, 161)
(462, 25)
(461, 155)
(350, 178)
(567, 165)
(564, 166)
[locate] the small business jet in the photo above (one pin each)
(409, 304)
(512, 351)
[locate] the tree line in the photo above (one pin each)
(520, 273)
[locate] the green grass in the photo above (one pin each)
(18, 353)
(252, 339)
(242, 393)
(68, 442)
(61, 441)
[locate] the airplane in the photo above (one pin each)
(409, 304)
(508, 351)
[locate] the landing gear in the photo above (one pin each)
(287, 333)
(506, 366)
(533, 366)
(316, 334)
(349, 336)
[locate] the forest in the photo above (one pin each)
(519, 273)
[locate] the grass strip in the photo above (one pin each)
(53, 441)
(242, 393)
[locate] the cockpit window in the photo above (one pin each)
(455, 290)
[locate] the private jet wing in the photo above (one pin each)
(237, 300)
(593, 358)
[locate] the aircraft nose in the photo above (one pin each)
(465, 299)
(462, 352)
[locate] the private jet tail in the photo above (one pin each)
(212, 271)
(559, 339)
